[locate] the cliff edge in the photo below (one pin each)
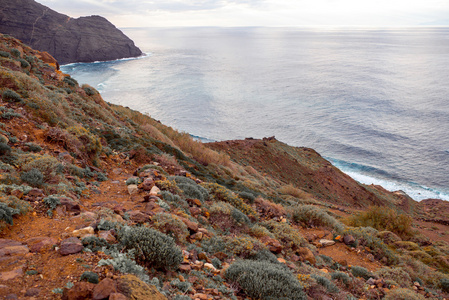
(69, 40)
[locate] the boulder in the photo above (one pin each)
(326, 243)
(70, 246)
(38, 244)
(349, 239)
(133, 189)
(104, 289)
(134, 288)
(155, 191)
(80, 291)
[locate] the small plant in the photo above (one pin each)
(94, 243)
(5, 54)
(171, 225)
(33, 177)
(124, 263)
(11, 96)
(52, 202)
(310, 215)
(133, 180)
(342, 277)
(23, 63)
(33, 147)
(358, 271)
(15, 52)
(4, 149)
(264, 280)
(329, 285)
(398, 275)
(6, 213)
(153, 248)
(90, 277)
(403, 294)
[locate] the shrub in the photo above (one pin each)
(220, 193)
(403, 294)
(286, 234)
(89, 277)
(329, 285)
(384, 219)
(132, 180)
(247, 196)
(310, 215)
(52, 202)
(11, 96)
(175, 200)
(171, 225)
(90, 91)
(388, 237)
(242, 246)
(33, 177)
(4, 149)
(20, 206)
(124, 263)
(94, 243)
(15, 52)
(239, 217)
(358, 271)
(264, 280)
(6, 213)
(398, 275)
(70, 81)
(5, 54)
(342, 277)
(33, 147)
(47, 165)
(152, 247)
(23, 63)
(269, 209)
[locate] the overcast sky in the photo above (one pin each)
(147, 13)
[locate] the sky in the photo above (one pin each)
(277, 13)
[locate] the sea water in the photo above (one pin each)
(375, 102)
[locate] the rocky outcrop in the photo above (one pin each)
(85, 39)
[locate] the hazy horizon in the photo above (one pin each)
(260, 13)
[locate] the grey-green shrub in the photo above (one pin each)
(33, 177)
(11, 96)
(152, 247)
(342, 277)
(311, 215)
(398, 275)
(89, 277)
(239, 217)
(6, 213)
(264, 280)
(358, 271)
(52, 202)
(124, 263)
(403, 294)
(190, 188)
(329, 285)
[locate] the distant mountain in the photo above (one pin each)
(69, 40)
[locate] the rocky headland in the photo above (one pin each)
(86, 39)
(98, 201)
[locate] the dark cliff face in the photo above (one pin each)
(85, 39)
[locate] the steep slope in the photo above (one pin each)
(98, 201)
(85, 39)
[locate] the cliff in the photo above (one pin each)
(98, 201)
(85, 39)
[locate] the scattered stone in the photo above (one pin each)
(195, 211)
(192, 226)
(326, 243)
(38, 244)
(185, 268)
(35, 195)
(105, 288)
(138, 216)
(281, 260)
(83, 231)
(371, 281)
(133, 189)
(200, 296)
(70, 246)
(210, 267)
(108, 236)
(370, 257)
(147, 184)
(197, 236)
(5, 276)
(196, 202)
(81, 290)
(17, 193)
(221, 256)
(134, 288)
(70, 205)
(155, 191)
(349, 239)
(32, 292)
(117, 296)
(305, 254)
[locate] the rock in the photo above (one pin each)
(197, 236)
(305, 254)
(348, 239)
(210, 267)
(147, 184)
(5, 276)
(80, 291)
(35, 195)
(195, 211)
(185, 268)
(273, 245)
(70, 205)
(38, 244)
(102, 290)
(14, 250)
(32, 292)
(281, 260)
(371, 281)
(133, 189)
(84, 231)
(196, 202)
(370, 257)
(85, 39)
(134, 288)
(192, 226)
(17, 193)
(8, 243)
(326, 243)
(138, 216)
(200, 296)
(70, 246)
(117, 296)
(108, 236)
(155, 191)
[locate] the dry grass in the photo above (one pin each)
(295, 192)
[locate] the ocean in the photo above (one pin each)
(375, 102)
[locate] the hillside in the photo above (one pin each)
(86, 39)
(98, 201)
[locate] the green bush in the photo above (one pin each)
(286, 234)
(90, 277)
(94, 243)
(239, 217)
(89, 91)
(264, 280)
(15, 52)
(132, 180)
(33, 177)
(242, 246)
(171, 225)
(21, 206)
(11, 96)
(310, 215)
(70, 81)
(23, 63)
(342, 277)
(4, 149)
(444, 284)
(175, 200)
(52, 202)
(33, 147)
(247, 196)
(398, 275)
(384, 219)
(323, 281)
(6, 213)
(124, 263)
(5, 54)
(152, 247)
(403, 294)
(358, 271)
(190, 188)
